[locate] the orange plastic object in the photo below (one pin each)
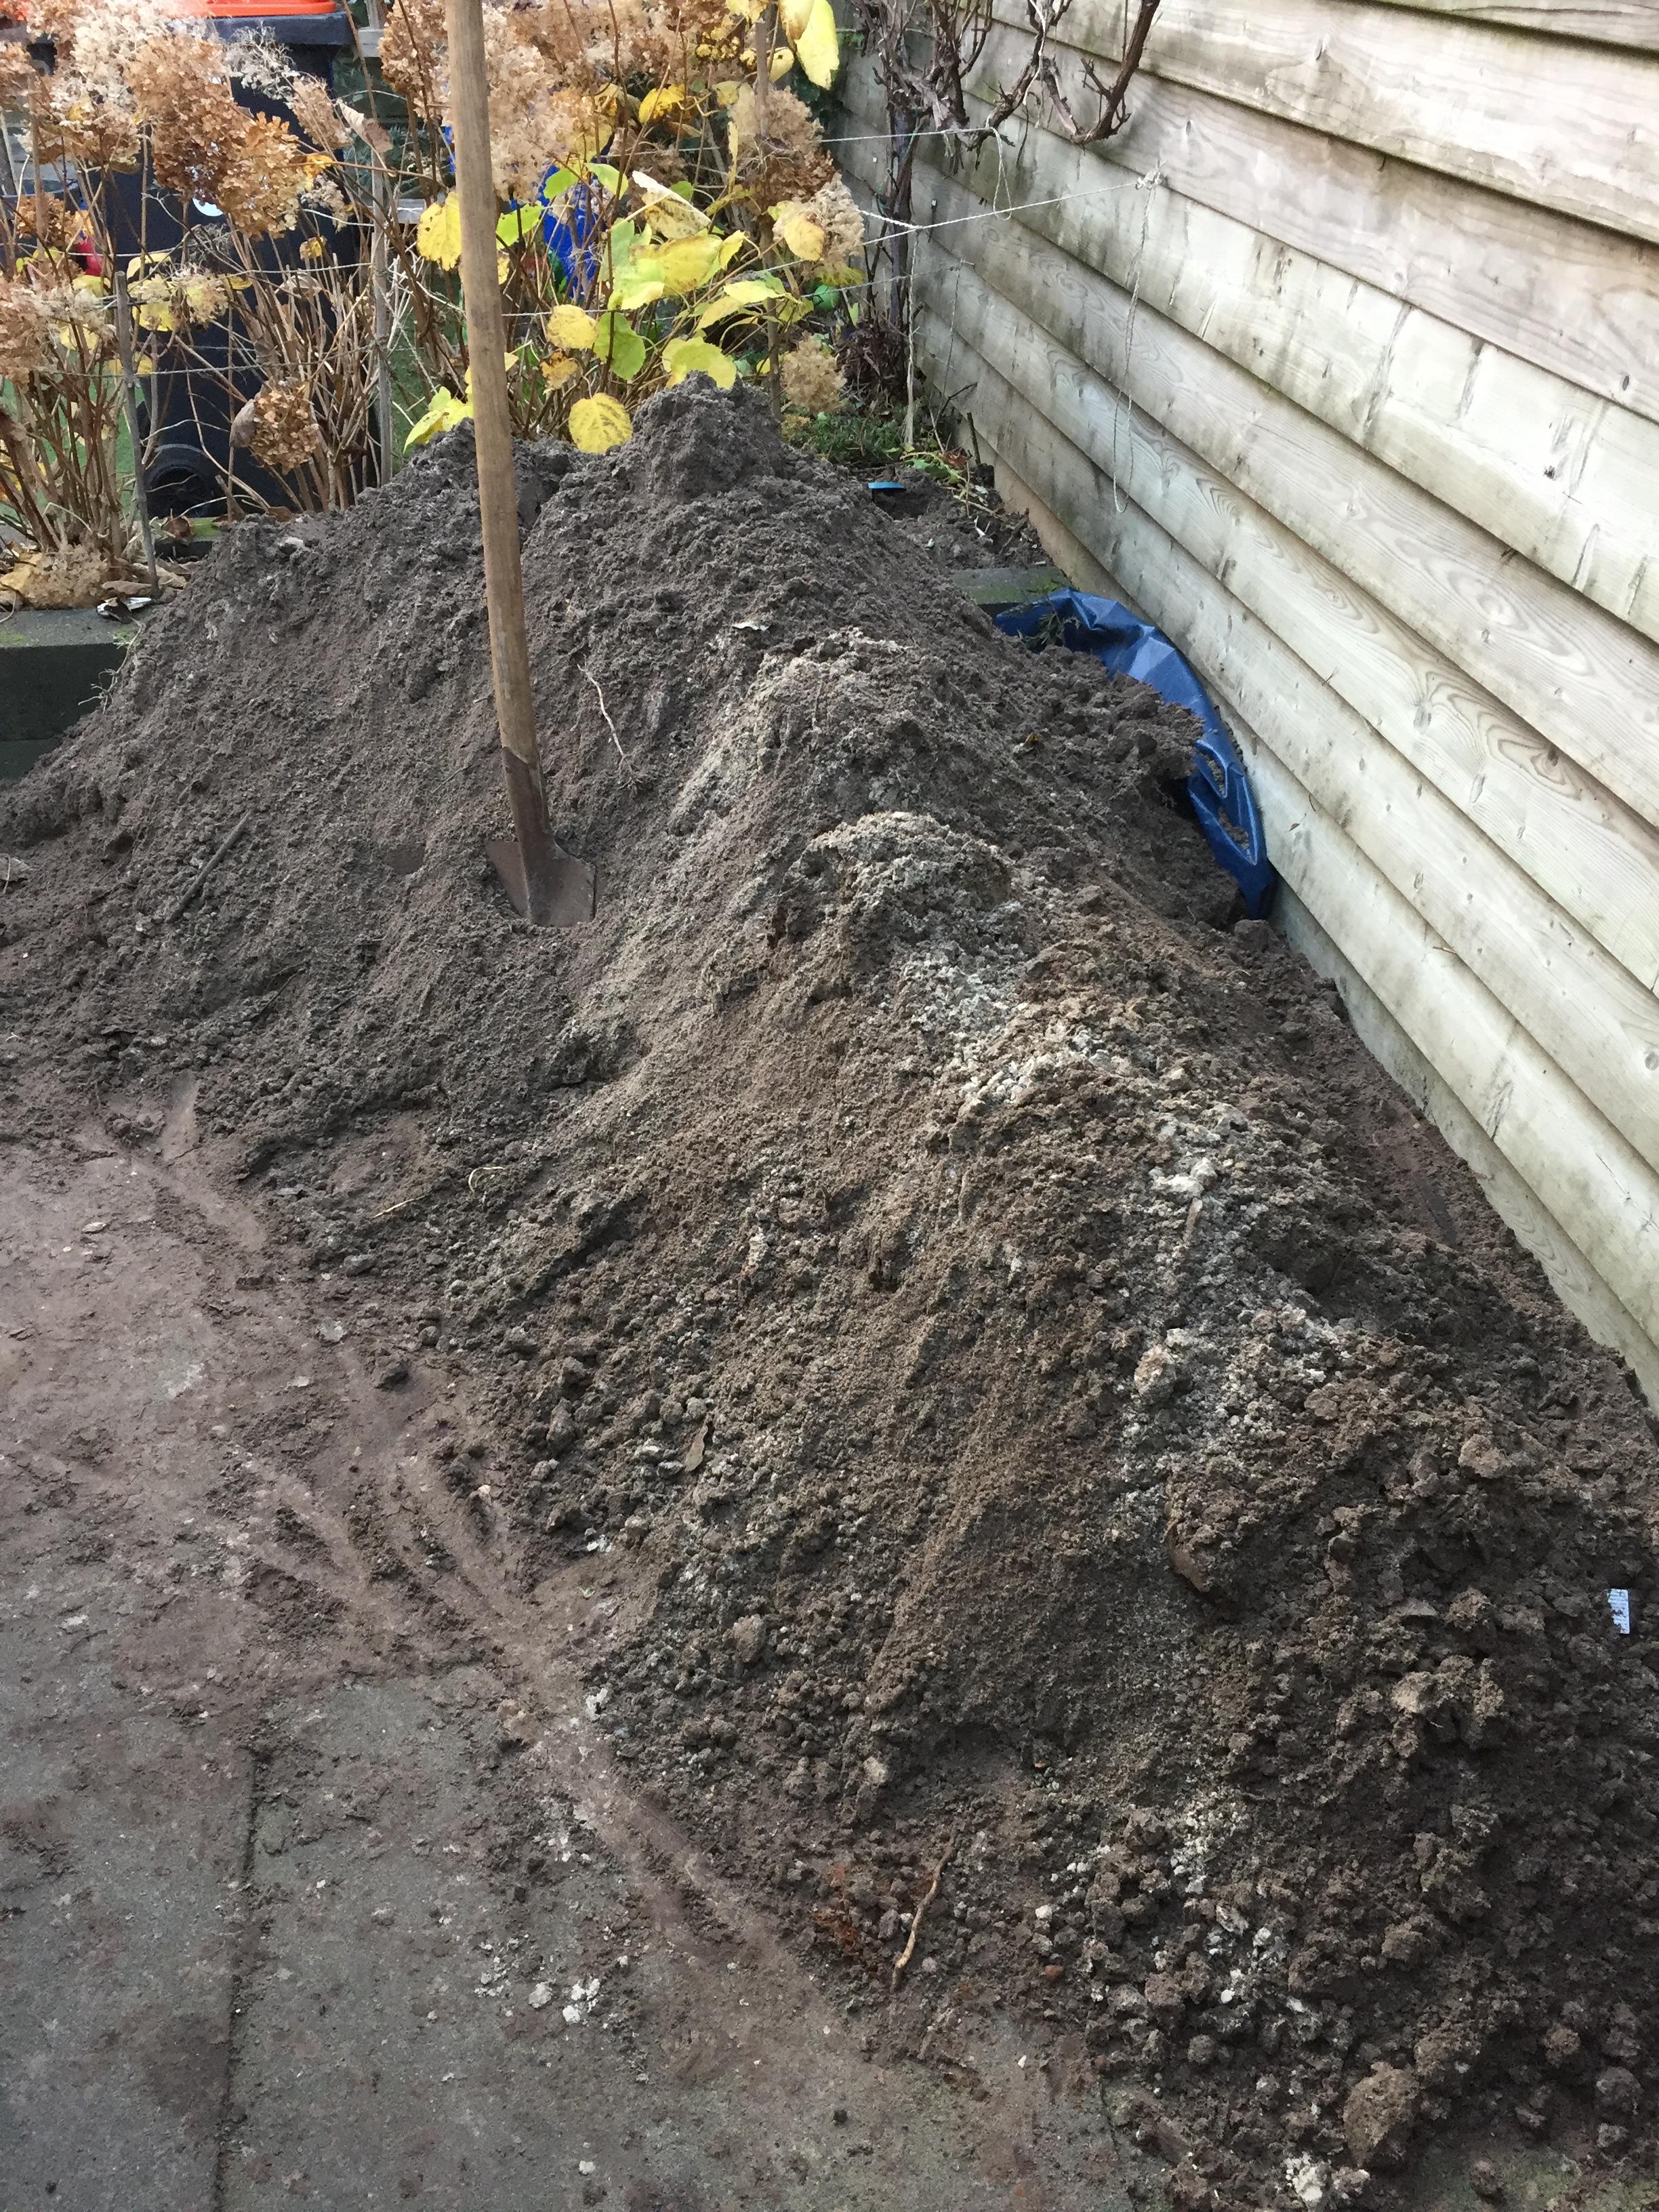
(231, 10)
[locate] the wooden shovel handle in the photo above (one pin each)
(492, 425)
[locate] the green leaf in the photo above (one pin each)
(556, 186)
(603, 174)
(619, 242)
(619, 345)
(643, 281)
(513, 226)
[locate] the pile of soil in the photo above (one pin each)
(1064, 1442)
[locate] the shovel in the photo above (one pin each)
(548, 886)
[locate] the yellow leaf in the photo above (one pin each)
(500, 267)
(557, 370)
(800, 233)
(817, 48)
(750, 10)
(312, 250)
(683, 357)
(746, 292)
(726, 91)
(444, 413)
(781, 63)
(670, 211)
(794, 15)
(143, 366)
(571, 327)
(730, 247)
(670, 217)
(690, 262)
(438, 234)
(663, 99)
(598, 423)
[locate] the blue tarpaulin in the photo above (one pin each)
(1219, 787)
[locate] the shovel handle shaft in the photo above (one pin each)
(492, 426)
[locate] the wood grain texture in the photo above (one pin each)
(1596, 860)
(1575, 128)
(1587, 683)
(1584, 1007)
(1577, 300)
(1581, 1172)
(1574, 298)
(1604, 23)
(1565, 479)
(1569, 1274)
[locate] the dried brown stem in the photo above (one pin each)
(905, 1955)
(1112, 113)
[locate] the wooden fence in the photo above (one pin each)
(1341, 363)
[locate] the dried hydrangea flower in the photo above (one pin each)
(776, 151)
(22, 332)
(834, 210)
(811, 381)
(285, 434)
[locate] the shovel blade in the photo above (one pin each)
(561, 892)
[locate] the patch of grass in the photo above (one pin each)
(852, 438)
(867, 435)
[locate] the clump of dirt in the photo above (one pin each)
(1049, 1421)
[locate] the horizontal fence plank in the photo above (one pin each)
(1516, 1094)
(1574, 298)
(1602, 23)
(1569, 1274)
(1576, 128)
(1563, 478)
(1579, 1165)
(1584, 1007)
(1605, 23)
(1584, 681)
(1597, 860)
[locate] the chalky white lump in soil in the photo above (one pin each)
(1039, 1413)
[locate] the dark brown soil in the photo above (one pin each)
(1050, 1417)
